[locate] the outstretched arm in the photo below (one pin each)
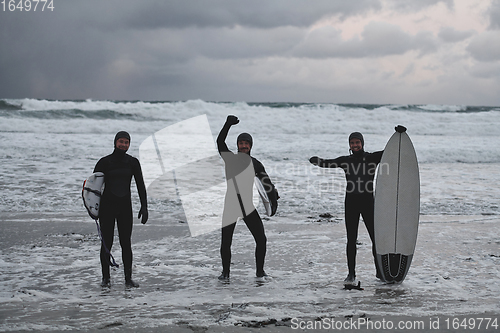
(221, 139)
(333, 163)
(377, 156)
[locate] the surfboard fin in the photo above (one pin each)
(394, 266)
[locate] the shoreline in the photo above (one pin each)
(50, 276)
(484, 322)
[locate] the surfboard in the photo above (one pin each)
(91, 193)
(397, 208)
(263, 196)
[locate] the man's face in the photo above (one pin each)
(244, 147)
(122, 144)
(355, 145)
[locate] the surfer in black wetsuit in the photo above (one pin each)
(118, 169)
(359, 168)
(241, 169)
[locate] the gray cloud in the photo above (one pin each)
(450, 35)
(377, 39)
(229, 13)
(41, 54)
(412, 5)
(86, 48)
(227, 43)
(222, 50)
(495, 15)
(180, 14)
(486, 71)
(486, 46)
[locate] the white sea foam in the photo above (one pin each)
(52, 280)
(46, 154)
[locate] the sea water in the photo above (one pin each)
(47, 149)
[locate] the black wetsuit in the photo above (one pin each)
(118, 169)
(359, 171)
(251, 218)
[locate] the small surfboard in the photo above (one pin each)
(397, 207)
(91, 193)
(263, 196)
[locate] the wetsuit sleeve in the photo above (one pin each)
(139, 181)
(221, 139)
(328, 163)
(377, 156)
(272, 193)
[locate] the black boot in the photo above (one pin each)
(261, 274)
(106, 283)
(350, 279)
(128, 280)
(224, 276)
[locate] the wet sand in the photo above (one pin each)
(50, 275)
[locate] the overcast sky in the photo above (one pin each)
(357, 51)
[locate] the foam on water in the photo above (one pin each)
(47, 148)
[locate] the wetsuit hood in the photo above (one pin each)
(118, 152)
(245, 137)
(357, 135)
(121, 134)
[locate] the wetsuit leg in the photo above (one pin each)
(368, 217)
(352, 213)
(225, 248)
(124, 223)
(107, 224)
(256, 227)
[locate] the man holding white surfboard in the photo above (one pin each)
(116, 205)
(359, 168)
(241, 171)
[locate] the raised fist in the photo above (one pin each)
(232, 120)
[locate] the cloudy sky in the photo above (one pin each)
(359, 51)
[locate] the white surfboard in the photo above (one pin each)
(263, 196)
(397, 208)
(91, 193)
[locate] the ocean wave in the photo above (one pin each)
(29, 104)
(432, 108)
(88, 109)
(42, 138)
(70, 114)
(160, 107)
(438, 108)
(9, 106)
